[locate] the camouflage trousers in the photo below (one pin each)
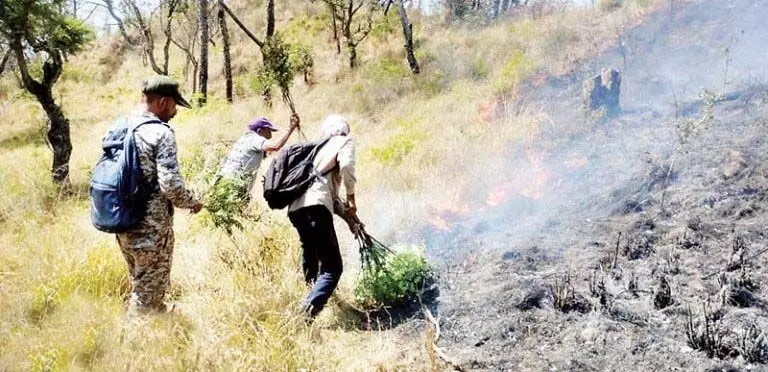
(148, 251)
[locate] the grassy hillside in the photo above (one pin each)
(424, 142)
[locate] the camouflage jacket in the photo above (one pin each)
(156, 144)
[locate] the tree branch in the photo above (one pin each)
(29, 83)
(52, 68)
(118, 20)
(241, 25)
(4, 61)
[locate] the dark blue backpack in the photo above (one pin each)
(119, 194)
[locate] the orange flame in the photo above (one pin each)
(530, 185)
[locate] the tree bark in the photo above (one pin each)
(347, 31)
(241, 25)
(4, 61)
(203, 79)
(58, 131)
(168, 36)
(149, 42)
(335, 28)
(119, 21)
(195, 68)
(225, 50)
(270, 19)
(408, 34)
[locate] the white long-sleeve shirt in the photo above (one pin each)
(339, 151)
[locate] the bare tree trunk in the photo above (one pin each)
(225, 49)
(168, 36)
(194, 77)
(4, 61)
(203, 79)
(335, 28)
(496, 8)
(408, 34)
(270, 19)
(58, 131)
(149, 42)
(119, 21)
(241, 25)
(351, 47)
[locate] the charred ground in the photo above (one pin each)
(644, 249)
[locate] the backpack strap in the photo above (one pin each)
(320, 144)
(111, 144)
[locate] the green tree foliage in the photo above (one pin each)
(38, 31)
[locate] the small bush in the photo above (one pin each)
(76, 74)
(753, 344)
(479, 69)
(399, 146)
(303, 28)
(565, 298)
(387, 69)
(401, 279)
(45, 301)
(302, 62)
(514, 71)
(708, 335)
(383, 27)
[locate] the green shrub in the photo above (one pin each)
(401, 279)
(384, 26)
(387, 69)
(479, 69)
(76, 74)
(514, 71)
(303, 28)
(395, 149)
(45, 301)
(301, 61)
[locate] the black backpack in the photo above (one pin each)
(119, 194)
(291, 173)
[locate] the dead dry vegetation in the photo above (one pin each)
(651, 254)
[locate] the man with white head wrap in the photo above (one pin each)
(312, 213)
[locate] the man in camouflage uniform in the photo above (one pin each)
(148, 249)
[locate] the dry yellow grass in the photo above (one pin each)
(63, 283)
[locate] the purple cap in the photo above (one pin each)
(261, 123)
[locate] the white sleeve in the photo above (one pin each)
(346, 159)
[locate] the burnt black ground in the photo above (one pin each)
(687, 209)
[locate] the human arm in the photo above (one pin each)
(346, 161)
(276, 145)
(169, 175)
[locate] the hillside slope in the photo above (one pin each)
(668, 196)
(485, 160)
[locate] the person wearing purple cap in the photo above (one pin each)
(250, 149)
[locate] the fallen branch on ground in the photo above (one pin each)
(440, 352)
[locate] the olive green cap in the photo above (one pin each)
(166, 87)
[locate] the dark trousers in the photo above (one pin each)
(321, 258)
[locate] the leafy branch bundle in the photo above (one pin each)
(387, 278)
(227, 204)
